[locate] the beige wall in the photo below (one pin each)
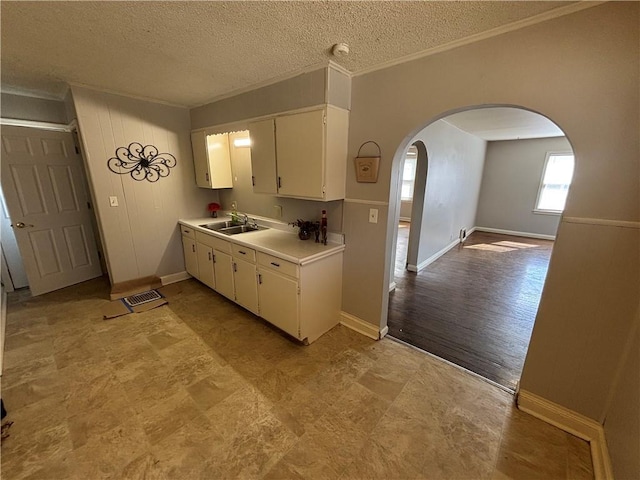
(304, 90)
(31, 108)
(580, 70)
(455, 160)
(140, 236)
(622, 422)
(510, 182)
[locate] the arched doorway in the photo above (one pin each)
(494, 173)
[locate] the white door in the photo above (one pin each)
(10, 251)
(44, 188)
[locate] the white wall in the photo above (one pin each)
(30, 108)
(140, 236)
(455, 161)
(582, 71)
(510, 182)
(405, 210)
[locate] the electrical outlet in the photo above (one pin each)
(277, 211)
(113, 201)
(373, 215)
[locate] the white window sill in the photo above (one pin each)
(555, 213)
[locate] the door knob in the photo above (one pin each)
(21, 225)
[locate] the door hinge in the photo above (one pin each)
(324, 118)
(206, 176)
(89, 205)
(279, 182)
(298, 290)
(253, 181)
(77, 149)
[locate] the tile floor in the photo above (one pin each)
(201, 389)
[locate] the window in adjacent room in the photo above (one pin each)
(556, 179)
(409, 174)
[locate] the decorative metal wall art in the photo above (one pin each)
(143, 163)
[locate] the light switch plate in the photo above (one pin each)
(113, 201)
(373, 215)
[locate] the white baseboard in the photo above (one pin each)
(573, 423)
(392, 286)
(515, 234)
(174, 278)
(360, 326)
(432, 258)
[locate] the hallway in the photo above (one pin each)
(475, 306)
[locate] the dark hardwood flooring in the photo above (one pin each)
(475, 306)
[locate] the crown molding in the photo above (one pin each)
(542, 17)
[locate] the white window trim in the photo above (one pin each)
(540, 211)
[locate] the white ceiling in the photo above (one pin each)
(504, 123)
(189, 53)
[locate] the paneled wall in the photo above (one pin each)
(140, 235)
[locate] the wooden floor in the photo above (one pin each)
(475, 306)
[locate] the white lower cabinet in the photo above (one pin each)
(302, 300)
(278, 296)
(223, 269)
(244, 279)
(205, 264)
(190, 256)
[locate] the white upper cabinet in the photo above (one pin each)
(263, 156)
(305, 157)
(211, 160)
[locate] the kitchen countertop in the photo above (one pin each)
(273, 241)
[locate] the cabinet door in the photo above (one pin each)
(279, 301)
(300, 154)
(263, 156)
(205, 264)
(211, 160)
(219, 161)
(223, 271)
(244, 279)
(190, 256)
(200, 160)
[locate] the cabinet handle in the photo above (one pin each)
(209, 255)
(243, 253)
(186, 231)
(206, 176)
(279, 182)
(260, 279)
(253, 181)
(214, 258)
(275, 264)
(193, 247)
(235, 267)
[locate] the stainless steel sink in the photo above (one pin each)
(219, 225)
(235, 230)
(230, 228)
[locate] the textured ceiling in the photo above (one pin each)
(188, 53)
(504, 123)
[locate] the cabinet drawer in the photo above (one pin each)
(188, 231)
(278, 265)
(214, 242)
(245, 253)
